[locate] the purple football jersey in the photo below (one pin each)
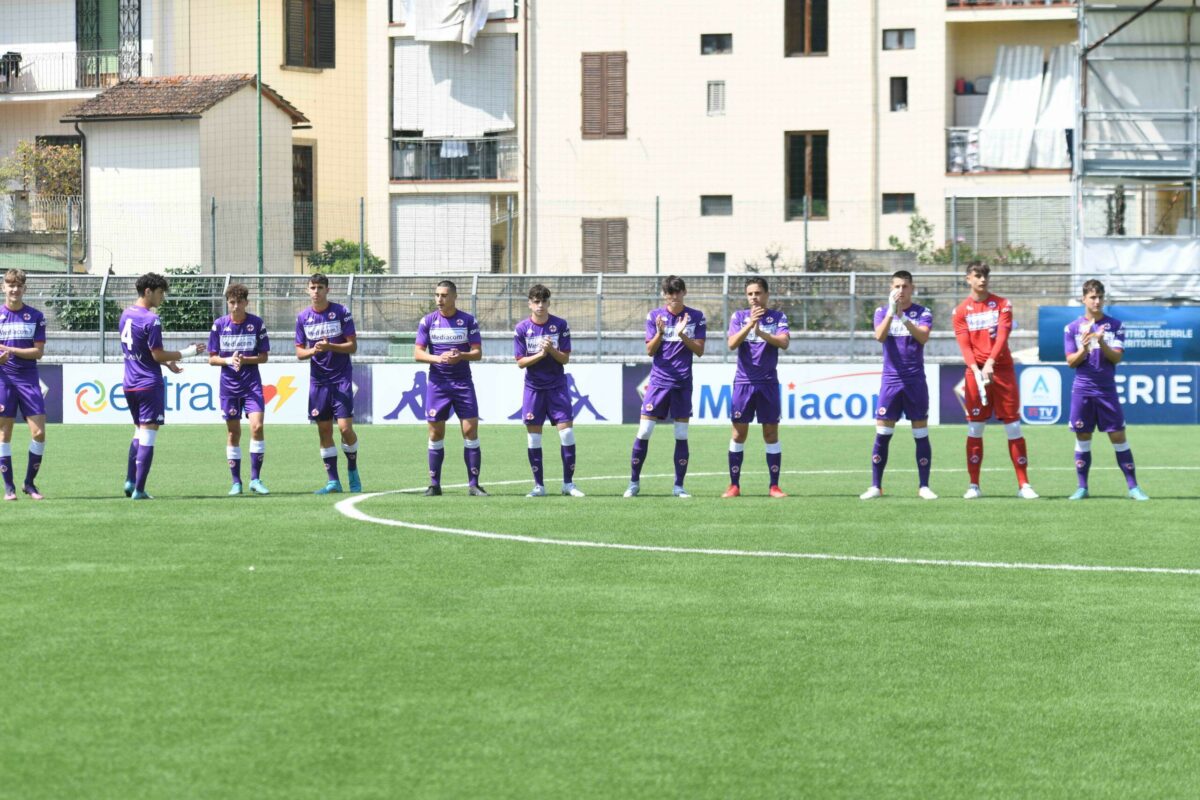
(1096, 375)
(141, 332)
(756, 359)
(248, 337)
(440, 334)
(22, 328)
(673, 362)
(527, 341)
(904, 356)
(334, 324)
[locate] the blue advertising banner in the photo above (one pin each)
(50, 376)
(1164, 394)
(1152, 333)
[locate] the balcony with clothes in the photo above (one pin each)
(1009, 10)
(490, 158)
(33, 72)
(1018, 118)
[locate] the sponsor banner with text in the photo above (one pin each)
(398, 393)
(1152, 333)
(810, 394)
(1149, 394)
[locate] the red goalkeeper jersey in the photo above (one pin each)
(981, 328)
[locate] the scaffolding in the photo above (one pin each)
(1136, 154)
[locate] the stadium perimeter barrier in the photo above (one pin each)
(829, 376)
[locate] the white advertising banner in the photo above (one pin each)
(94, 393)
(398, 393)
(810, 394)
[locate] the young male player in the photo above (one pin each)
(674, 334)
(1095, 344)
(902, 327)
(542, 346)
(22, 343)
(447, 339)
(982, 324)
(145, 392)
(757, 333)
(237, 344)
(326, 338)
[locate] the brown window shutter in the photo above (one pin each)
(326, 33)
(614, 94)
(593, 245)
(593, 95)
(294, 31)
(616, 250)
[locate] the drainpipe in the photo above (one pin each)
(83, 187)
(526, 216)
(873, 203)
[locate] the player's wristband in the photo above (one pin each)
(188, 351)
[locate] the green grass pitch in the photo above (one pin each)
(205, 646)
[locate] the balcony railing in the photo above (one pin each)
(23, 212)
(986, 4)
(493, 158)
(29, 73)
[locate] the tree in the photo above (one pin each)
(340, 257)
(48, 169)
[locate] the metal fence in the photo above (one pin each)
(830, 313)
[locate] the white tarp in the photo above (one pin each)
(1143, 268)
(443, 92)
(1006, 128)
(1056, 111)
(450, 20)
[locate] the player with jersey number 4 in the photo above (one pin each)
(982, 324)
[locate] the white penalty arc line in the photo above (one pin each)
(349, 508)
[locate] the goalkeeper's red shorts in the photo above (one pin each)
(1003, 401)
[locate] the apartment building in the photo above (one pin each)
(445, 135)
(683, 137)
(55, 54)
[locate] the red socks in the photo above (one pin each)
(1016, 451)
(974, 458)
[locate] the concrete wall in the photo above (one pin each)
(143, 195)
(229, 173)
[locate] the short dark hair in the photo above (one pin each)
(151, 282)
(1092, 286)
(319, 278)
(447, 285)
(15, 277)
(762, 282)
(979, 267)
(539, 292)
(237, 291)
(673, 284)
(903, 275)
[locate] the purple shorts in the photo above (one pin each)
(443, 397)
(333, 401)
(147, 406)
(541, 403)
(25, 397)
(899, 399)
(234, 406)
(756, 401)
(674, 402)
(1089, 412)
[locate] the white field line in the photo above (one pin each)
(349, 508)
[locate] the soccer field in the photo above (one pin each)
(200, 645)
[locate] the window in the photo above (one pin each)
(899, 39)
(716, 205)
(806, 27)
(716, 263)
(304, 221)
(899, 203)
(899, 94)
(808, 174)
(716, 98)
(716, 44)
(605, 245)
(604, 87)
(309, 33)
(59, 141)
